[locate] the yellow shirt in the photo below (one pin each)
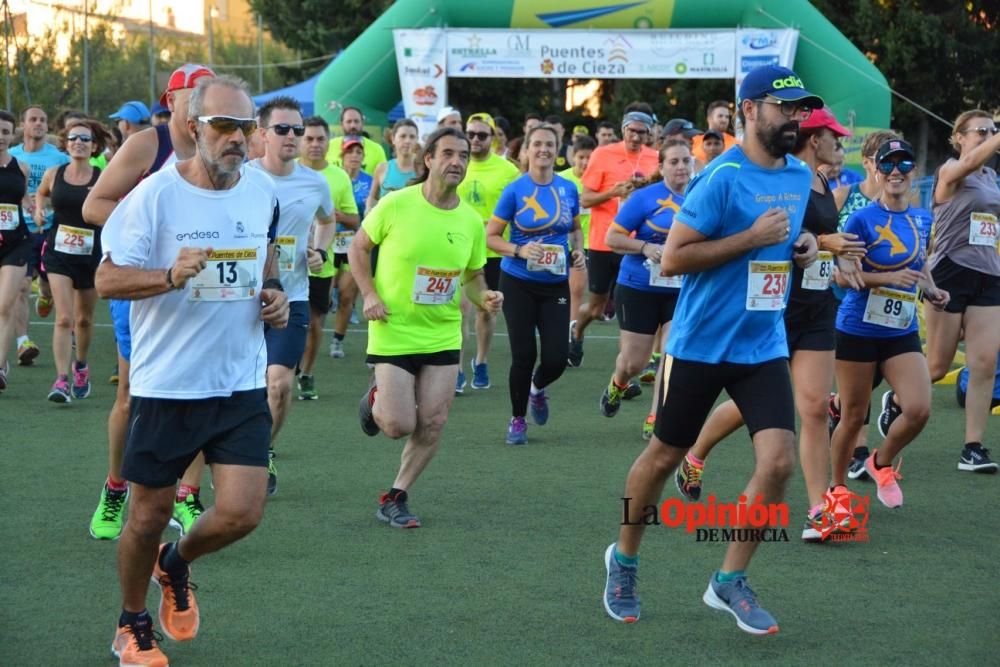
(483, 183)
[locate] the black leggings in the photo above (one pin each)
(528, 305)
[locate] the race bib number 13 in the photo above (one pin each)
(984, 229)
(230, 275)
(434, 287)
(767, 284)
(10, 217)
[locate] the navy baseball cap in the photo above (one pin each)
(780, 83)
(894, 147)
(134, 112)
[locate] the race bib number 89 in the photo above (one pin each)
(767, 284)
(230, 275)
(434, 287)
(10, 217)
(890, 308)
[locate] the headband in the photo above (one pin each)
(633, 116)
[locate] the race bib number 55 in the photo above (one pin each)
(767, 284)
(434, 287)
(230, 275)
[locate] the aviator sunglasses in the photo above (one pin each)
(228, 124)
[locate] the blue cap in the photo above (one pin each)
(133, 111)
(778, 82)
(158, 109)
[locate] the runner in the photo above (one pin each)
(606, 133)
(303, 196)
(144, 154)
(718, 118)
(962, 387)
(352, 124)
(966, 263)
(487, 176)
(397, 172)
(545, 239)
(583, 148)
(15, 244)
(612, 174)
(430, 244)
(193, 246)
(877, 326)
(132, 118)
(449, 117)
(729, 239)
(335, 269)
(645, 300)
(71, 255)
(39, 155)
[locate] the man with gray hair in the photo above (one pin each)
(193, 247)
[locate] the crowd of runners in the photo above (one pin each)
(747, 265)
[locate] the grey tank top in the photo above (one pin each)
(962, 225)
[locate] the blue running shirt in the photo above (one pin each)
(648, 212)
(723, 315)
(539, 213)
(895, 240)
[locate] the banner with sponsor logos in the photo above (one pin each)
(420, 58)
(756, 47)
(597, 54)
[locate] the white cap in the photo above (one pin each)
(448, 111)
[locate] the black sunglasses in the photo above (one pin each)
(228, 124)
(982, 131)
(904, 166)
(282, 129)
(482, 136)
(86, 138)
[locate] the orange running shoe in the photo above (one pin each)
(178, 610)
(888, 490)
(135, 646)
(43, 306)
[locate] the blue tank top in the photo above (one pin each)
(394, 179)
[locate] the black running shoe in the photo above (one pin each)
(365, 414)
(976, 458)
(856, 468)
(575, 356)
(890, 411)
(395, 512)
(272, 474)
(634, 390)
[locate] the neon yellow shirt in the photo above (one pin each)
(423, 252)
(483, 183)
(342, 193)
(374, 154)
(584, 212)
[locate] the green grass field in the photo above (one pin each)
(508, 566)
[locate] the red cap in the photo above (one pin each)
(185, 76)
(350, 140)
(824, 117)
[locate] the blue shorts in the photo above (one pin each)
(120, 311)
(286, 346)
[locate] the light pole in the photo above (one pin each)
(212, 13)
(152, 60)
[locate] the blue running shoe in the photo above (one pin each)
(480, 375)
(517, 432)
(620, 598)
(538, 406)
(738, 599)
(460, 383)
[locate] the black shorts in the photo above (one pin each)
(80, 270)
(819, 336)
(35, 260)
(967, 287)
(602, 269)
(412, 363)
(875, 350)
(643, 312)
(165, 435)
(286, 346)
(762, 392)
(340, 260)
(16, 254)
(319, 294)
(492, 272)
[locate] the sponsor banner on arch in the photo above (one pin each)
(756, 47)
(608, 54)
(423, 81)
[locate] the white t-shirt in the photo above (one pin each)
(300, 195)
(206, 340)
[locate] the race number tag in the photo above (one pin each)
(767, 284)
(341, 242)
(817, 277)
(890, 308)
(230, 275)
(74, 241)
(285, 247)
(553, 260)
(434, 287)
(656, 280)
(10, 217)
(984, 229)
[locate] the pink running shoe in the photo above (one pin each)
(889, 492)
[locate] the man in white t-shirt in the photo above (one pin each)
(192, 246)
(303, 196)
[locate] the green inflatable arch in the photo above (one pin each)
(365, 74)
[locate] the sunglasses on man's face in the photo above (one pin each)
(904, 166)
(85, 138)
(229, 124)
(282, 129)
(481, 136)
(982, 131)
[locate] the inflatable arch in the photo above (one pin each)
(365, 74)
